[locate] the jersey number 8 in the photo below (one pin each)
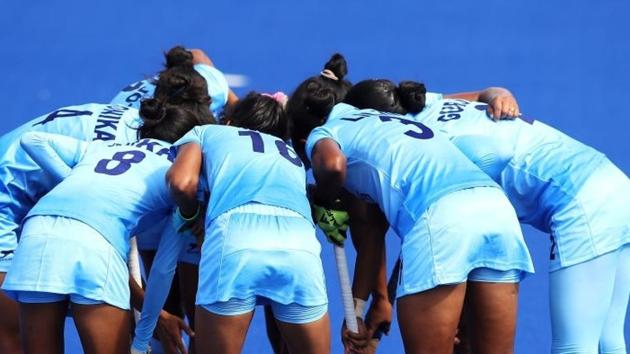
(124, 158)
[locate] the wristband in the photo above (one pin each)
(359, 307)
(190, 218)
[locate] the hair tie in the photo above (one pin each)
(329, 74)
(279, 97)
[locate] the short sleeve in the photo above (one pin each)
(217, 86)
(316, 135)
(195, 135)
(432, 97)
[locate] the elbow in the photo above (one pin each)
(182, 184)
(334, 169)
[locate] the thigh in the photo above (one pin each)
(102, 328)
(579, 300)
(492, 309)
(41, 327)
(428, 320)
(307, 338)
(273, 333)
(188, 281)
(221, 334)
(9, 323)
(612, 339)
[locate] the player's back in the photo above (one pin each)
(400, 164)
(21, 180)
(543, 166)
(112, 187)
(242, 166)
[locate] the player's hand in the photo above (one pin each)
(503, 106)
(355, 342)
(333, 222)
(169, 330)
(379, 317)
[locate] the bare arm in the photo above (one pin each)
(183, 178)
(368, 227)
(501, 102)
(329, 169)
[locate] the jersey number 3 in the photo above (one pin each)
(123, 161)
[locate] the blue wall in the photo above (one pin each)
(566, 61)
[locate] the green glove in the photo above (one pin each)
(333, 222)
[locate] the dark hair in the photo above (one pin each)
(167, 122)
(314, 98)
(182, 84)
(259, 112)
(178, 56)
(384, 95)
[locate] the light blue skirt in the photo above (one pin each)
(594, 221)
(264, 251)
(462, 231)
(65, 256)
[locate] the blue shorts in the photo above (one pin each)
(594, 220)
(37, 297)
(489, 275)
(257, 250)
(66, 257)
(290, 313)
(472, 234)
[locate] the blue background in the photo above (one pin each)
(567, 62)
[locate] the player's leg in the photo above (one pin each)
(221, 327)
(42, 319)
(9, 324)
(428, 320)
(612, 340)
(188, 282)
(579, 300)
(492, 300)
(102, 328)
(273, 333)
(305, 329)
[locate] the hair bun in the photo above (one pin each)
(320, 101)
(178, 56)
(338, 65)
(412, 96)
(152, 111)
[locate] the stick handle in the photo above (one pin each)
(346, 289)
(134, 268)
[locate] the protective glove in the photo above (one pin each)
(333, 222)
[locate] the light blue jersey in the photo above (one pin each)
(22, 182)
(112, 188)
(218, 89)
(555, 183)
(243, 166)
(401, 165)
(532, 158)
